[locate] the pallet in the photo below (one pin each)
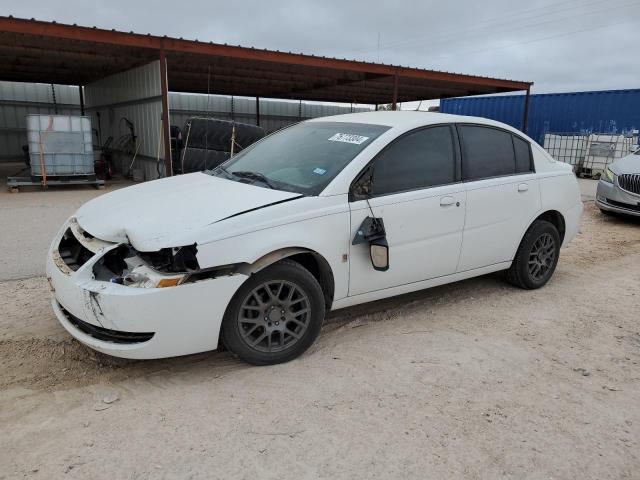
(14, 183)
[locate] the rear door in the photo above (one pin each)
(418, 195)
(502, 194)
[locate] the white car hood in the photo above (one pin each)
(628, 164)
(153, 215)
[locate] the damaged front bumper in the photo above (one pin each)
(130, 322)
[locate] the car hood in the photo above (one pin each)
(153, 215)
(628, 164)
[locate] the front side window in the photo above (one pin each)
(303, 158)
(420, 159)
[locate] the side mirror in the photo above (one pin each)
(372, 231)
(379, 252)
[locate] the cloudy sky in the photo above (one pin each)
(565, 45)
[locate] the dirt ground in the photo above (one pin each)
(475, 379)
(31, 218)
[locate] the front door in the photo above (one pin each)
(415, 190)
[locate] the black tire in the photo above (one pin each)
(531, 269)
(273, 317)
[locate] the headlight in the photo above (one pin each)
(145, 277)
(608, 176)
(124, 266)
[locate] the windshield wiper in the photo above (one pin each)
(219, 169)
(254, 176)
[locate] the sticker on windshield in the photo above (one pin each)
(319, 171)
(349, 138)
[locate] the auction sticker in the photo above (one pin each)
(349, 138)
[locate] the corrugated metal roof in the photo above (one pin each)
(70, 54)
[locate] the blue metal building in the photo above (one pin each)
(607, 111)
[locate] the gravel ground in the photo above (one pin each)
(475, 379)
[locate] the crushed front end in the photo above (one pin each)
(136, 304)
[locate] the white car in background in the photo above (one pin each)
(325, 214)
(619, 186)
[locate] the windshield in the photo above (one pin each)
(303, 158)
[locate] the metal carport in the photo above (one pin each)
(48, 52)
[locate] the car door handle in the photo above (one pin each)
(523, 187)
(446, 201)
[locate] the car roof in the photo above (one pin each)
(405, 120)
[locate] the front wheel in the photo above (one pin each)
(275, 315)
(537, 256)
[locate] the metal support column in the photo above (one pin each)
(394, 103)
(525, 117)
(258, 111)
(55, 102)
(81, 92)
(166, 130)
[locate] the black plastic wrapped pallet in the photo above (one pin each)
(214, 134)
(199, 159)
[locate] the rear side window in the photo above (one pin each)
(523, 155)
(420, 159)
(487, 152)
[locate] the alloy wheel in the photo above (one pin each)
(541, 256)
(274, 316)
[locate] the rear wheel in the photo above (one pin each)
(275, 315)
(537, 256)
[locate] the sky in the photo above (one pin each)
(565, 45)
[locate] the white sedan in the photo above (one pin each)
(322, 215)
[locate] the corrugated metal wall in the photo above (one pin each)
(274, 114)
(607, 111)
(17, 100)
(136, 95)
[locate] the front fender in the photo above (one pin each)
(326, 235)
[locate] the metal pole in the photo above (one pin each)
(233, 140)
(166, 130)
(394, 103)
(81, 100)
(53, 95)
(258, 111)
(525, 118)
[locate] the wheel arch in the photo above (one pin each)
(556, 219)
(552, 216)
(314, 262)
